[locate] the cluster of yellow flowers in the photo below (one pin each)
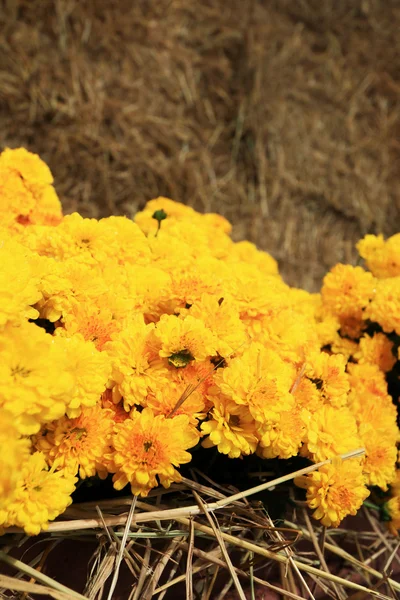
(125, 344)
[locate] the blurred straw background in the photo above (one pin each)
(283, 116)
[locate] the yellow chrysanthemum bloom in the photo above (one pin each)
(29, 166)
(94, 323)
(182, 340)
(190, 283)
(79, 445)
(147, 447)
(220, 316)
(368, 387)
(19, 284)
(90, 370)
(138, 288)
(327, 372)
(376, 350)
(231, 428)
(335, 491)
(26, 192)
(65, 284)
(290, 334)
(91, 242)
(135, 367)
(307, 395)
(247, 252)
(188, 387)
(384, 308)
(344, 346)
(256, 294)
(15, 451)
(331, 431)
(382, 257)
(380, 457)
(346, 292)
(174, 211)
(163, 217)
(259, 379)
(40, 496)
(284, 439)
(35, 382)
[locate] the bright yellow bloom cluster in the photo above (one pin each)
(124, 344)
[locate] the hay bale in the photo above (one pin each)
(282, 116)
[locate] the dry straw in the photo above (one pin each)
(215, 522)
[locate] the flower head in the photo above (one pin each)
(41, 495)
(384, 308)
(346, 292)
(335, 491)
(147, 447)
(35, 382)
(26, 191)
(79, 444)
(260, 380)
(382, 257)
(134, 365)
(331, 431)
(231, 428)
(15, 451)
(19, 284)
(184, 340)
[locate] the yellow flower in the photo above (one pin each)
(190, 283)
(29, 166)
(191, 383)
(26, 193)
(147, 447)
(138, 288)
(19, 285)
(307, 395)
(368, 387)
(346, 293)
(290, 334)
(331, 431)
(90, 370)
(15, 451)
(92, 242)
(380, 457)
(344, 346)
(247, 252)
(35, 384)
(256, 294)
(79, 445)
(231, 428)
(40, 496)
(94, 323)
(134, 365)
(284, 438)
(335, 491)
(384, 308)
(175, 211)
(259, 379)
(382, 257)
(328, 373)
(184, 340)
(376, 350)
(221, 317)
